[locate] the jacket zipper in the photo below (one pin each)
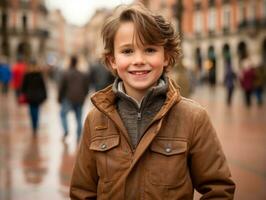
(139, 116)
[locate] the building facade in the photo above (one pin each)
(23, 28)
(216, 32)
(223, 31)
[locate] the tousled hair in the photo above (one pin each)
(150, 29)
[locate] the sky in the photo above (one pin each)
(78, 12)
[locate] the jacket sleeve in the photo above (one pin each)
(84, 179)
(208, 166)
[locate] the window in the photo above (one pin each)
(226, 17)
(241, 13)
(212, 19)
(252, 10)
(198, 22)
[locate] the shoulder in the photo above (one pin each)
(189, 106)
(95, 117)
(190, 112)
(96, 122)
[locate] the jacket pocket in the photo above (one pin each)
(167, 163)
(104, 143)
(110, 157)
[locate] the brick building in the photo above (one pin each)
(23, 28)
(219, 30)
(224, 31)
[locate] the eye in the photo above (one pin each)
(127, 51)
(150, 50)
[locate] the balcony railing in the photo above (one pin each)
(226, 30)
(39, 32)
(252, 24)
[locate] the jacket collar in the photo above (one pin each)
(160, 89)
(105, 99)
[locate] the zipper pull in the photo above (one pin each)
(139, 116)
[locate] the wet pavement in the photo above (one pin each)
(41, 168)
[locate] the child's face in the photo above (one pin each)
(138, 66)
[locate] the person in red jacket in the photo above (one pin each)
(18, 71)
(247, 78)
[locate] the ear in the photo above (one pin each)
(111, 60)
(166, 60)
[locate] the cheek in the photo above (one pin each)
(122, 62)
(158, 62)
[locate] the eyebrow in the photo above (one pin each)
(130, 45)
(126, 45)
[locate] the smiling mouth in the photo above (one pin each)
(139, 72)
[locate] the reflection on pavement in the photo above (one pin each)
(34, 164)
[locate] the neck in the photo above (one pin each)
(138, 96)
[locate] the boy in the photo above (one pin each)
(143, 140)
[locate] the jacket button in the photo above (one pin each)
(103, 146)
(168, 150)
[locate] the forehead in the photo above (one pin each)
(129, 34)
(125, 34)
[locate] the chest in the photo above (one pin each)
(160, 157)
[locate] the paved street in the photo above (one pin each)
(41, 169)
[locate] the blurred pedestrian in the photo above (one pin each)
(247, 77)
(183, 80)
(229, 82)
(100, 77)
(212, 72)
(73, 89)
(5, 74)
(142, 140)
(34, 89)
(18, 71)
(259, 82)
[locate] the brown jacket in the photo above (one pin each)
(179, 152)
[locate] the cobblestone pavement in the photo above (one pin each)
(41, 168)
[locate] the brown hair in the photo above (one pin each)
(150, 29)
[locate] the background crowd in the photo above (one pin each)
(28, 80)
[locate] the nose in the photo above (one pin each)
(139, 58)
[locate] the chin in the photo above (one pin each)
(142, 87)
